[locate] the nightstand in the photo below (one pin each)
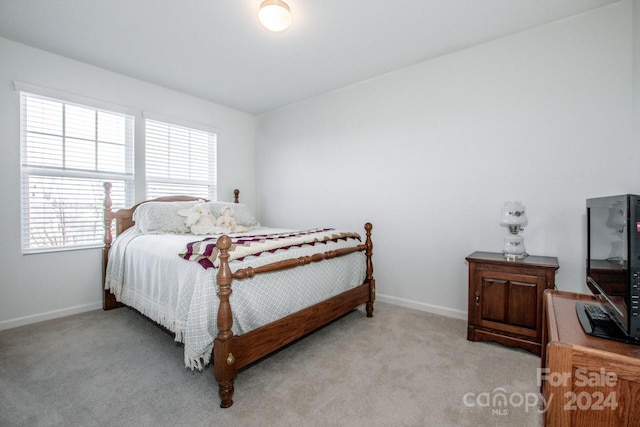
(505, 298)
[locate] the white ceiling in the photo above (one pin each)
(217, 50)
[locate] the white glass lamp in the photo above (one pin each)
(514, 217)
(275, 15)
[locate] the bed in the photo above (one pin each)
(306, 279)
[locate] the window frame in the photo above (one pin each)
(211, 182)
(127, 178)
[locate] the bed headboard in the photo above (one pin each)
(124, 217)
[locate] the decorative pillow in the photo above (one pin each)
(199, 219)
(162, 217)
(241, 212)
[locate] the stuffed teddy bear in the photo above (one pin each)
(200, 219)
(227, 221)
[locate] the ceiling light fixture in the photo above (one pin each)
(275, 15)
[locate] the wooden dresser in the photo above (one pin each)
(588, 381)
(505, 298)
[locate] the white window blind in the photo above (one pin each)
(179, 160)
(68, 151)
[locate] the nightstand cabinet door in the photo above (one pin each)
(505, 298)
(509, 302)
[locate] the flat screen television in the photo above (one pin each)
(613, 268)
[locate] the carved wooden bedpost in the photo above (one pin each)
(107, 298)
(236, 194)
(224, 366)
(372, 282)
(107, 205)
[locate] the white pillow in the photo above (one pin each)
(162, 217)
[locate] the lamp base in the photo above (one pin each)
(513, 257)
(514, 247)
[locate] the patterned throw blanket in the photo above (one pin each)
(205, 252)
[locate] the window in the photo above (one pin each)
(68, 151)
(179, 160)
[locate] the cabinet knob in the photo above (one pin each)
(477, 297)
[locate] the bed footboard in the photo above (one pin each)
(230, 353)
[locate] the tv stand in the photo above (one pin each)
(588, 381)
(610, 331)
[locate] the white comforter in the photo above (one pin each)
(146, 273)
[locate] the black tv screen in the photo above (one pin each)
(613, 274)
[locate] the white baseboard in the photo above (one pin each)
(41, 317)
(421, 306)
(27, 320)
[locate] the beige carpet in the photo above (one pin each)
(400, 368)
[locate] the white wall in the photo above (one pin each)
(430, 153)
(38, 287)
(427, 153)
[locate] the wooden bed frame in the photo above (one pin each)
(232, 352)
